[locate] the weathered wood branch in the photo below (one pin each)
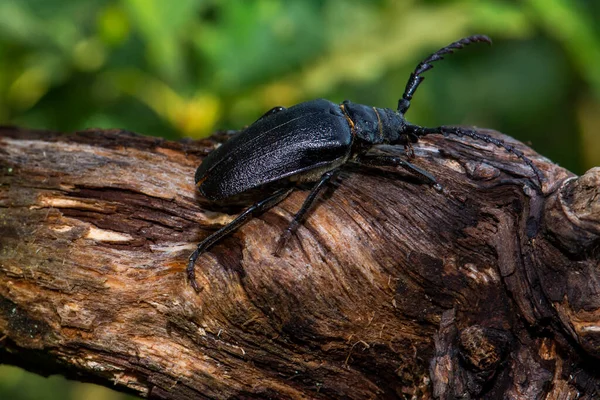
(391, 289)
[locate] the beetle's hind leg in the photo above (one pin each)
(392, 161)
(256, 208)
(308, 202)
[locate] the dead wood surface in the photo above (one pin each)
(390, 289)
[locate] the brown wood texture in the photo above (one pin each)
(390, 289)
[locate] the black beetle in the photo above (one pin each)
(309, 142)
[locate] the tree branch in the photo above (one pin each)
(390, 289)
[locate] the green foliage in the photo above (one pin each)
(190, 67)
(17, 384)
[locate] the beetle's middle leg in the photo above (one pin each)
(392, 161)
(256, 208)
(308, 202)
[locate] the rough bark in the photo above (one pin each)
(390, 289)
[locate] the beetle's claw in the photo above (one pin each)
(195, 286)
(191, 272)
(283, 239)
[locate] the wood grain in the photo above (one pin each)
(390, 289)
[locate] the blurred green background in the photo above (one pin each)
(186, 68)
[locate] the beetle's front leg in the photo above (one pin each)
(308, 202)
(392, 161)
(256, 208)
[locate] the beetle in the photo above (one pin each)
(309, 142)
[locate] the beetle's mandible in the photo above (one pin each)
(309, 142)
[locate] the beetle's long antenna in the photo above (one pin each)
(415, 78)
(458, 131)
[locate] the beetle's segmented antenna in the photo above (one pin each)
(415, 78)
(457, 131)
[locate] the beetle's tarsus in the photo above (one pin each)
(415, 78)
(285, 237)
(191, 271)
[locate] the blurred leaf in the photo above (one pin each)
(17, 24)
(250, 41)
(588, 111)
(192, 66)
(28, 88)
(576, 30)
(89, 54)
(113, 25)
(162, 25)
(502, 18)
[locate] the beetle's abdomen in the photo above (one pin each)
(311, 135)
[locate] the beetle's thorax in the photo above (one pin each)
(372, 125)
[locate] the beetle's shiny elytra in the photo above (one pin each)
(309, 142)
